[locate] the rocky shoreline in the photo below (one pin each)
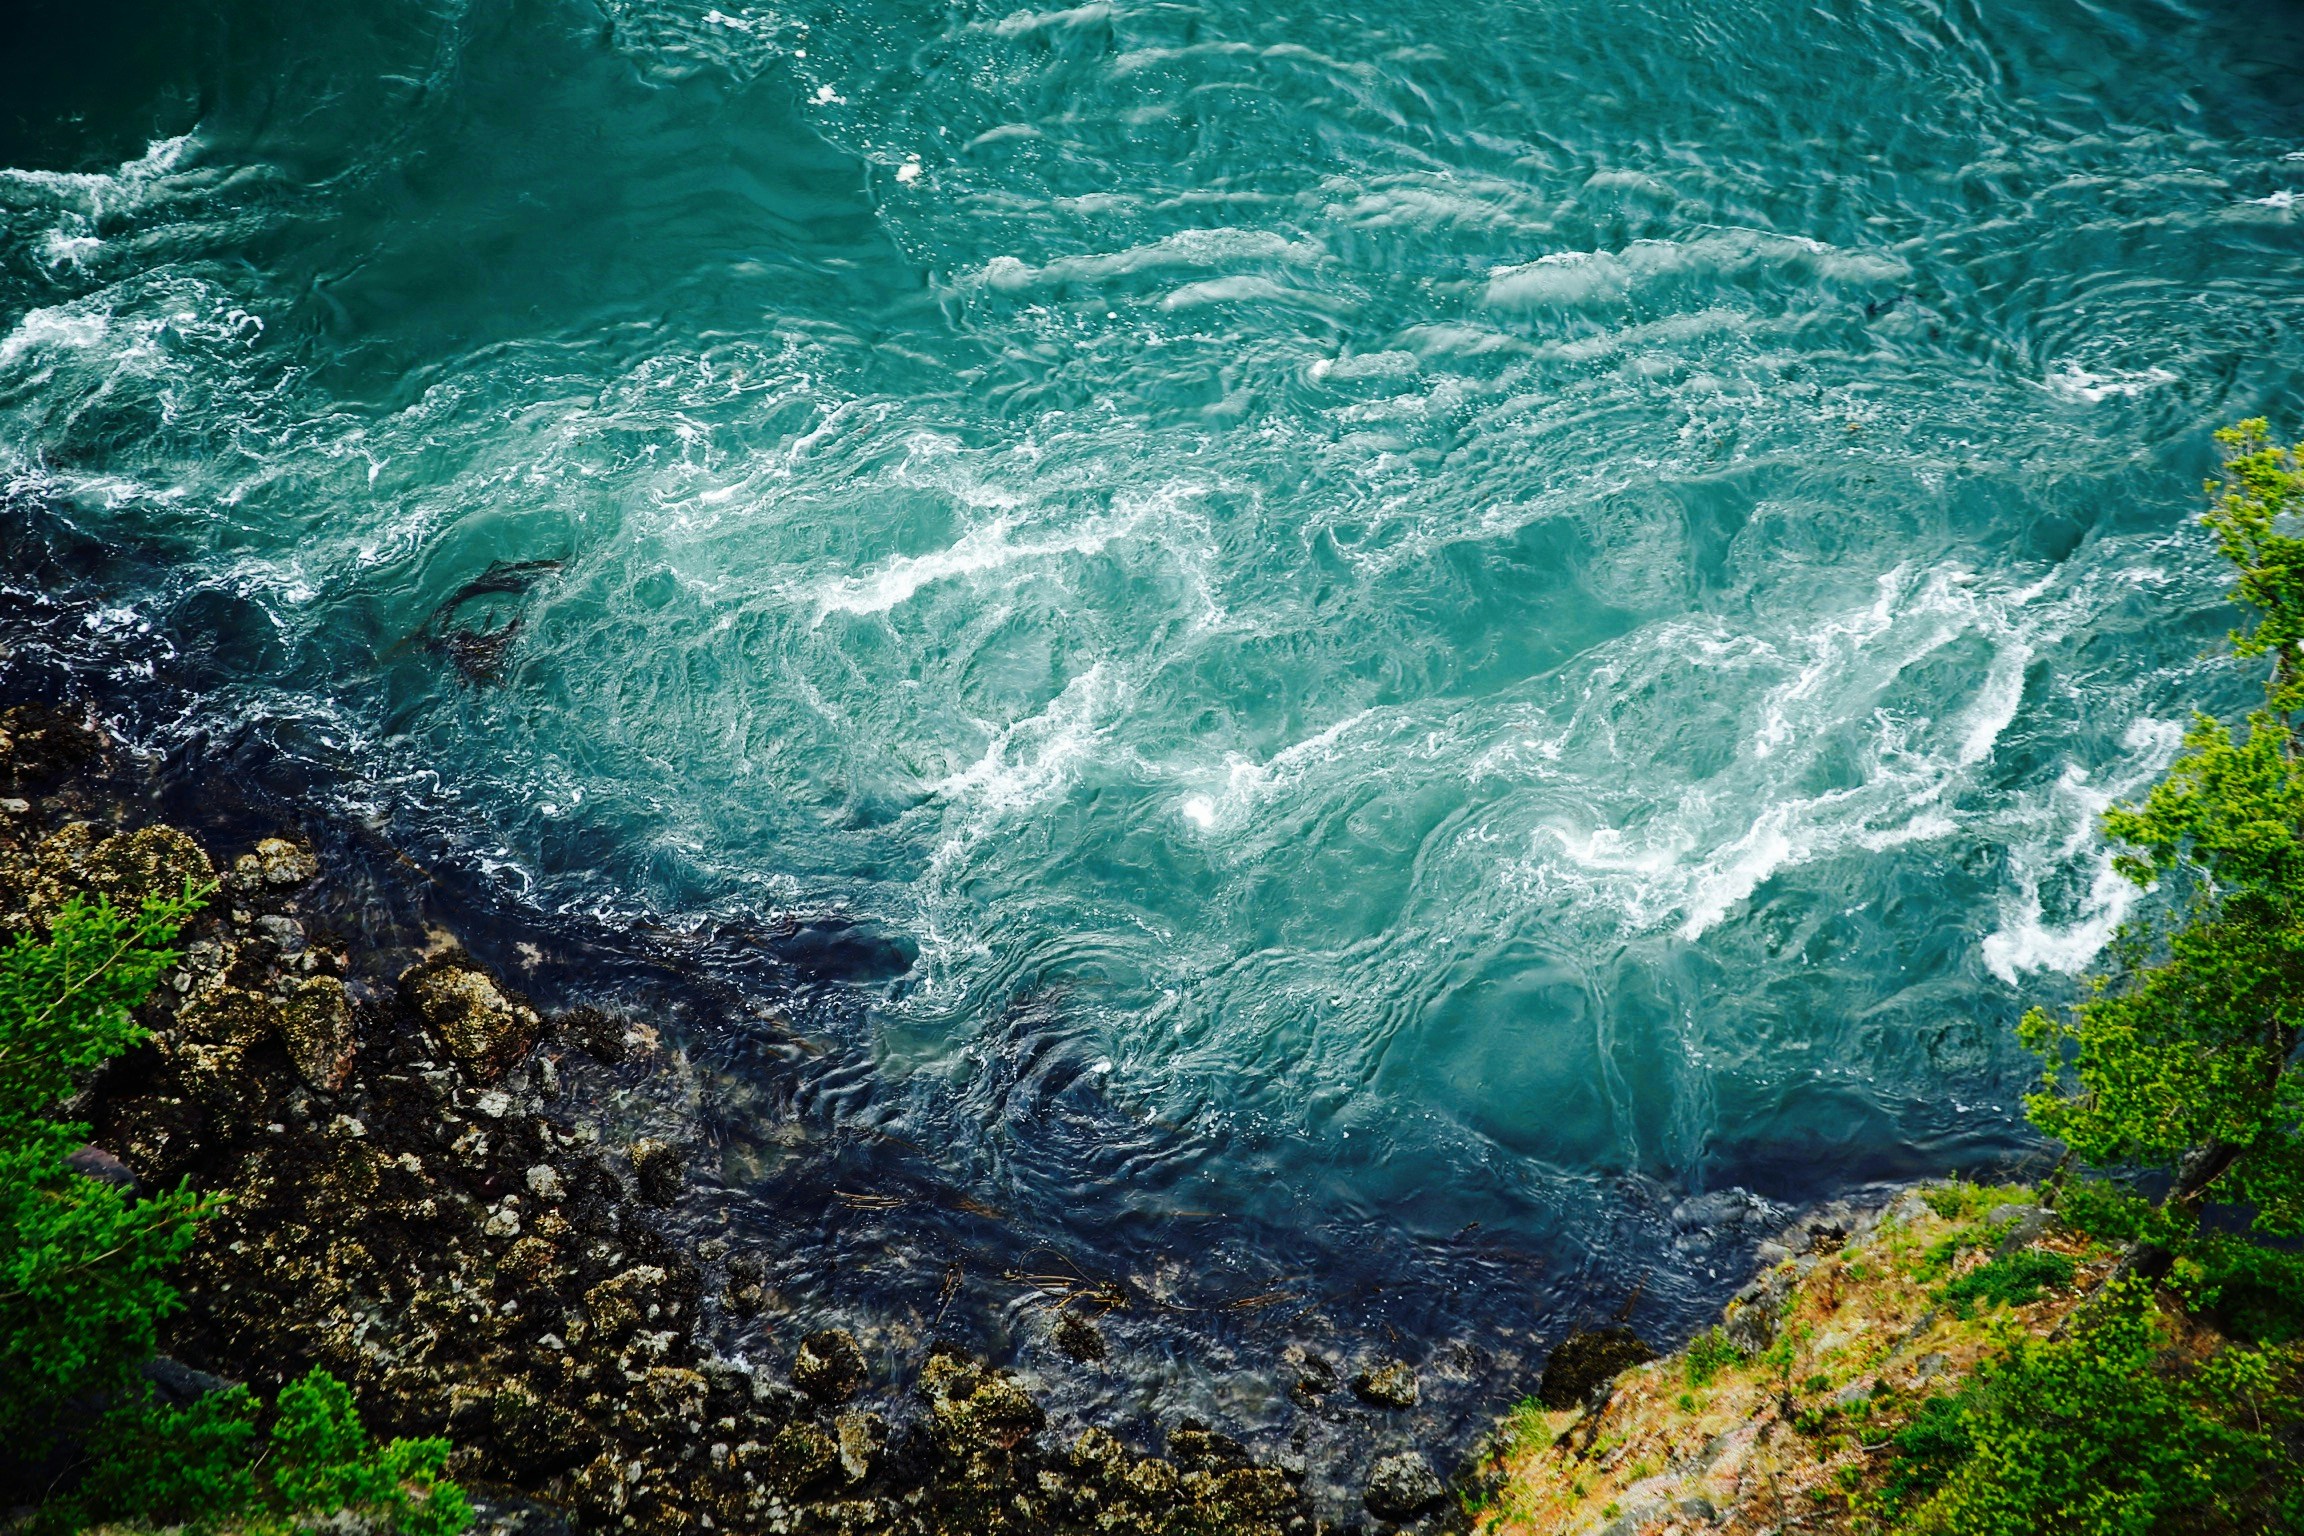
(428, 1193)
(1781, 1419)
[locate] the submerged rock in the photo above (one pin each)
(1402, 1486)
(281, 863)
(1315, 1379)
(1078, 1338)
(1587, 1360)
(452, 1237)
(656, 1167)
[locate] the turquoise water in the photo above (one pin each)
(1414, 615)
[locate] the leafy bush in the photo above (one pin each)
(80, 1263)
(196, 1467)
(1708, 1354)
(323, 1462)
(2087, 1435)
(2182, 1057)
(2012, 1281)
(1927, 1450)
(188, 1466)
(1959, 1201)
(2255, 1294)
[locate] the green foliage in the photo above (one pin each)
(2179, 1058)
(2254, 1293)
(2088, 1435)
(196, 1467)
(163, 1466)
(1961, 1201)
(322, 1461)
(1707, 1355)
(1928, 1449)
(2105, 1210)
(80, 1263)
(2013, 1281)
(2178, 1061)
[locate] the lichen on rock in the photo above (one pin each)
(481, 1027)
(315, 1022)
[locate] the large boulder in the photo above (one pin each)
(481, 1027)
(1402, 1486)
(316, 1026)
(1587, 1360)
(829, 1367)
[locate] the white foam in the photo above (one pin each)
(2070, 379)
(2071, 816)
(1247, 784)
(1186, 248)
(1687, 853)
(67, 328)
(1576, 278)
(991, 546)
(1020, 23)
(1032, 758)
(98, 193)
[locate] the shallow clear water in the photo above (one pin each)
(1427, 614)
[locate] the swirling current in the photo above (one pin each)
(1382, 673)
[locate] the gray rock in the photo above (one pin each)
(286, 934)
(1387, 1384)
(1402, 1486)
(1751, 1317)
(2025, 1224)
(178, 1383)
(100, 1165)
(281, 862)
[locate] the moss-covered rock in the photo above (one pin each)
(1387, 1384)
(480, 1026)
(315, 1023)
(1402, 1486)
(829, 1366)
(1587, 1360)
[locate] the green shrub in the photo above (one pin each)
(1707, 1355)
(196, 1468)
(1960, 1201)
(81, 1282)
(162, 1466)
(322, 1462)
(2101, 1209)
(2012, 1281)
(1927, 1449)
(2088, 1435)
(2255, 1294)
